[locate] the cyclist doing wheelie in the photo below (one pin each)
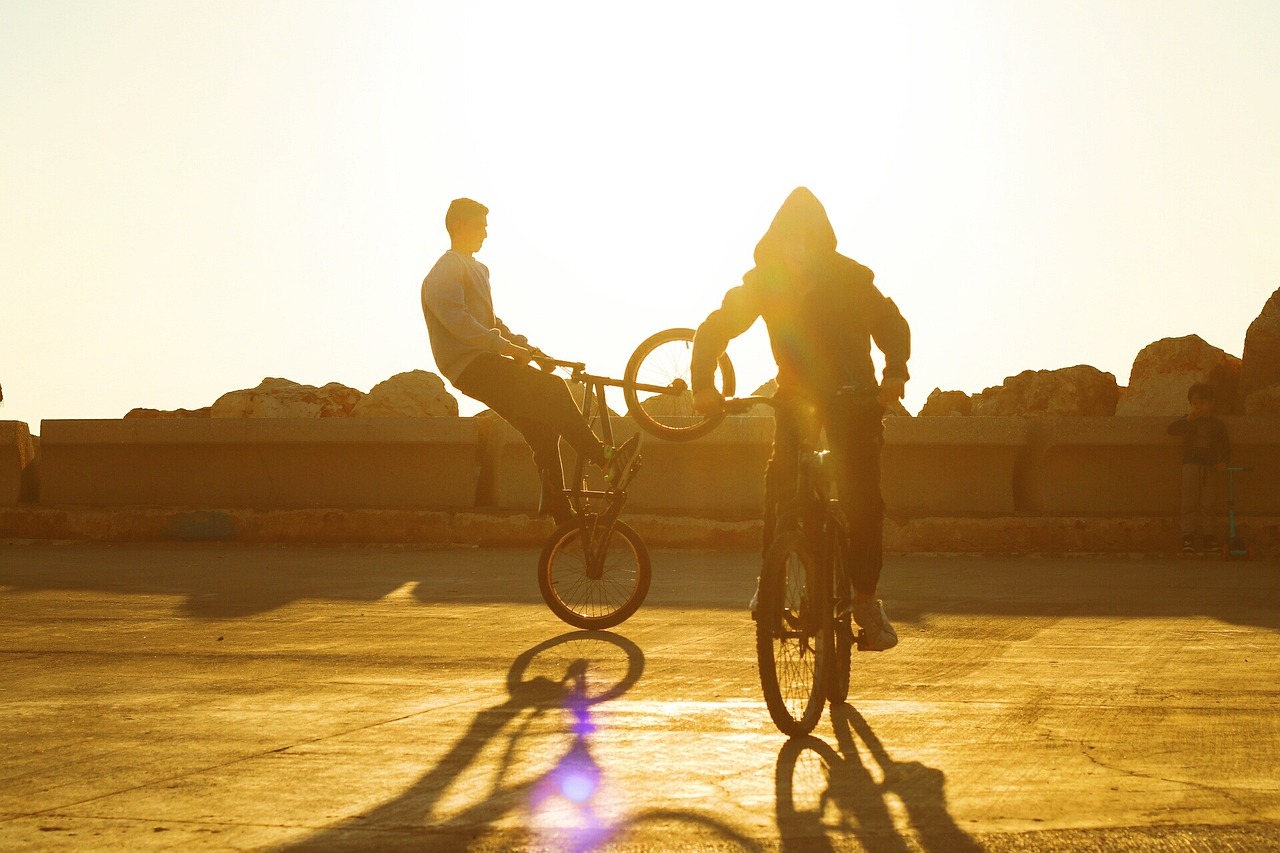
(822, 311)
(485, 360)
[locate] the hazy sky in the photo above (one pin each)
(196, 195)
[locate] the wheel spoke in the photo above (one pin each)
(595, 590)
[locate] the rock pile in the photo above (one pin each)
(414, 394)
(1260, 368)
(1162, 373)
(1080, 391)
(284, 398)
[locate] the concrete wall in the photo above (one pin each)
(420, 463)
(17, 454)
(1132, 467)
(933, 467)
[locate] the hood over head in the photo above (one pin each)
(802, 218)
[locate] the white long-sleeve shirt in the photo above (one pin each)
(458, 308)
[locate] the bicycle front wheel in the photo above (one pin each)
(657, 385)
(793, 634)
(594, 575)
(842, 665)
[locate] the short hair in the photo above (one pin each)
(462, 210)
(1200, 391)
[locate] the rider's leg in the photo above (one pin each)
(779, 478)
(544, 440)
(855, 437)
(780, 472)
(520, 392)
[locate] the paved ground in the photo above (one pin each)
(217, 697)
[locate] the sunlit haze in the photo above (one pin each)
(194, 196)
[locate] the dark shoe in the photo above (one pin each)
(621, 462)
(552, 501)
(563, 514)
(1188, 544)
(1209, 543)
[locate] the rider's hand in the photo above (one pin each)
(517, 352)
(541, 359)
(892, 389)
(707, 401)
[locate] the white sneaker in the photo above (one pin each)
(877, 634)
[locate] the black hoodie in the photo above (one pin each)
(820, 323)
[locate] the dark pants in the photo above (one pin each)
(538, 404)
(855, 434)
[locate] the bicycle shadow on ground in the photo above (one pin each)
(552, 688)
(827, 795)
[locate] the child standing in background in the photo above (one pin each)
(1205, 449)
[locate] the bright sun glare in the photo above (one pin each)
(196, 197)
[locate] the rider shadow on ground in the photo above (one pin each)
(563, 677)
(812, 773)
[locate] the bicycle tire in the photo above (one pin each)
(594, 598)
(793, 634)
(842, 664)
(664, 360)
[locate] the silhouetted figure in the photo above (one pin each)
(1205, 449)
(485, 360)
(822, 311)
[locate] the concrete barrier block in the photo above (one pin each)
(950, 466)
(17, 453)
(1255, 443)
(413, 463)
(720, 475)
(1100, 466)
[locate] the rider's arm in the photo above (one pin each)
(444, 295)
(510, 335)
(892, 336)
(741, 308)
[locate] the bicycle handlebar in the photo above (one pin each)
(548, 363)
(739, 405)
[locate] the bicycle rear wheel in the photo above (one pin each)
(657, 386)
(793, 634)
(591, 583)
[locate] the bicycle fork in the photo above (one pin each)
(597, 530)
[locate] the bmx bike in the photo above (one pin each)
(804, 631)
(594, 571)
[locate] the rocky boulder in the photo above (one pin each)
(1260, 361)
(1164, 370)
(1264, 402)
(1077, 391)
(166, 414)
(283, 398)
(413, 394)
(947, 404)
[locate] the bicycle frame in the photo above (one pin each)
(593, 397)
